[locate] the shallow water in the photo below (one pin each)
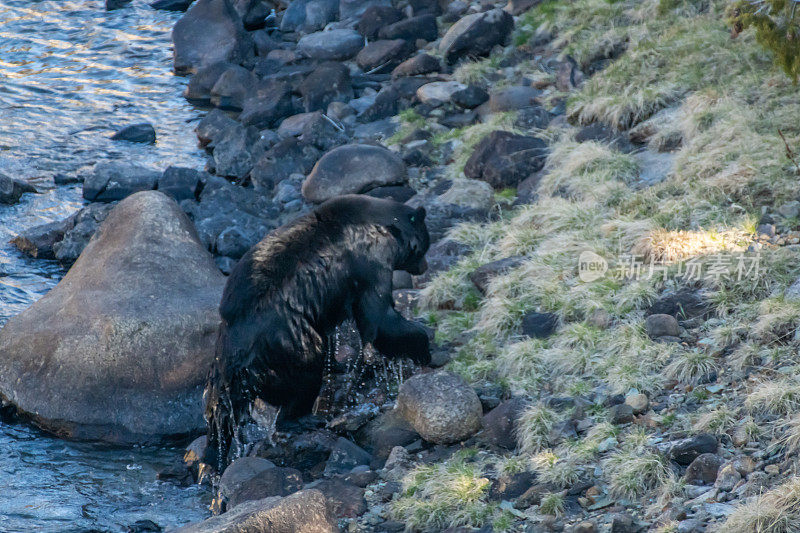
(70, 75)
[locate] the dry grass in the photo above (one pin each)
(776, 511)
(774, 397)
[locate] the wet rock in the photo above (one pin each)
(500, 424)
(539, 325)
(232, 157)
(11, 190)
(660, 325)
(213, 127)
(353, 168)
(703, 470)
(136, 133)
(470, 97)
(620, 414)
(330, 82)
(239, 472)
(345, 499)
(308, 450)
(111, 181)
(38, 241)
(211, 31)
(376, 17)
(309, 15)
(418, 65)
(484, 274)
(181, 183)
(277, 481)
(439, 91)
(198, 91)
(81, 228)
(117, 351)
(475, 35)
(141, 526)
(288, 157)
(232, 88)
(503, 159)
(513, 99)
(171, 5)
(352, 9)
(388, 431)
(383, 55)
(271, 103)
(361, 476)
(687, 450)
(344, 456)
(440, 406)
(306, 510)
(421, 27)
(334, 45)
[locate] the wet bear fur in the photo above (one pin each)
(287, 294)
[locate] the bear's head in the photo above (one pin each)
(405, 223)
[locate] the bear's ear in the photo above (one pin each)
(418, 215)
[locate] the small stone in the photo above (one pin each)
(623, 523)
(621, 414)
(334, 45)
(136, 133)
(470, 97)
(703, 470)
(344, 456)
(484, 274)
(586, 526)
(11, 190)
(727, 478)
(539, 325)
(499, 424)
(660, 325)
(687, 450)
(772, 470)
(638, 402)
(416, 66)
(438, 91)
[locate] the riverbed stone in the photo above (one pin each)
(38, 241)
(503, 159)
(383, 55)
(417, 66)
(11, 189)
(209, 32)
(80, 229)
(440, 406)
(241, 471)
(119, 349)
(143, 133)
(438, 91)
(500, 424)
(330, 82)
(213, 127)
(476, 34)
(309, 15)
(234, 85)
(277, 481)
(352, 169)
(270, 103)
(345, 499)
(182, 183)
(421, 27)
(334, 45)
(112, 180)
(287, 157)
(470, 97)
(304, 511)
(376, 17)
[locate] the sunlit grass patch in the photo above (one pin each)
(775, 397)
(534, 427)
(634, 471)
(717, 421)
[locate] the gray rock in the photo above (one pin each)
(440, 406)
(384, 55)
(687, 450)
(288, 157)
(352, 9)
(198, 91)
(277, 481)
(136, 133)
(443, 215)
(513, 99)
(389, 431)
(518, 7)
(439, 91)
(659, 325)
(621, 414)
(421, 27)
(80, 229)
(232, 157)
(330, 82)
(309, 15)
(345, 499)
(213, 127)
(111, 181)
(304, 511)
(38, 241)
(211, 31)
(171, 5)
(239, 472)
(470, 97)
(344, 456)
(118, 350)
(703, 470)
(181, 183)
(418, 65)
(484, 274)
(503, 159)
(331, 45)
(500, 424)
(376, 17)
(11, 190)
(321, 133)
(475, 35)
(638, 402)
(727, 478)
(539, 325)
(353, 168)
(233, 87)
(271, 103)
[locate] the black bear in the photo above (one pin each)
(287, 294)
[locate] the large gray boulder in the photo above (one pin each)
(210, 32)
(475, 35)
(440, 406)
(331, 45)
(12, 189)
(353, 169)
(120, 348)
(306, 511)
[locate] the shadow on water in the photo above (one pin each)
(70, 75)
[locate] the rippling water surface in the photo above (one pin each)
(70, 75)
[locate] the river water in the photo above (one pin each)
(70, 75)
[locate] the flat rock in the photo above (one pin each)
(118, 350)
(439, 91)
(330, 82)
(136, 133)
(209, 32)
(383, 55)
(440, 406)
(306, 511)
(512, 99)
(335, 45)
(353, 168)
(476, 34)
(111, 181)
(687, 450)
(38, 241)
(418, 65)
(421, 27)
